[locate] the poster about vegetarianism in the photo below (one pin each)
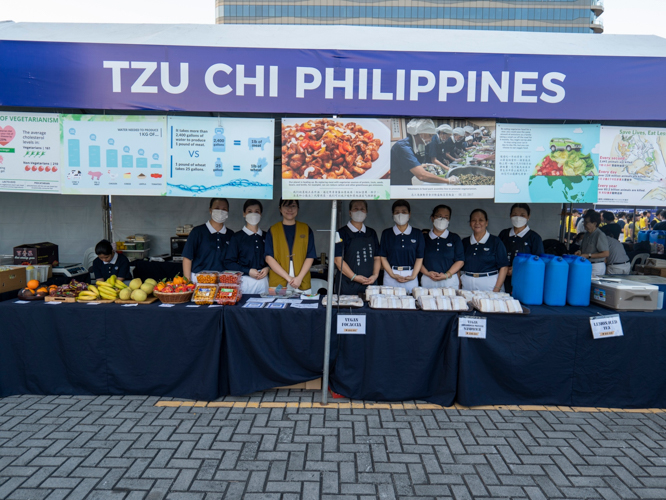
(329, 159)
(29, 152)
(547, 163)
(632, 169)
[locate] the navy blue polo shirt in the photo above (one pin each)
(121, 268)
(661, 226)
(442, 251)
(290, 235)
(403, 160)
(347, 236)
(246, 251)
(530, 243)
(433, 148)
(402, 249)
(207, 250)
(485, 257)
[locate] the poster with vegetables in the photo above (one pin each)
(336, 159)
(632, 166)
(547, 163)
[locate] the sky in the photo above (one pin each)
(644, 17)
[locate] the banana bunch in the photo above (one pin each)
(106, 290)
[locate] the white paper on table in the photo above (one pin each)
(53, 303)
(288, 301)
(192, 305)
(21, 302)
(215, 305)
(314, 305)
(261, 300)
(166, 305)
(95, 303)
(130, 305)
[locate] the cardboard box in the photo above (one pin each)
(12, 279)
(36, 253)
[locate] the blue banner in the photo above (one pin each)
(330, 82)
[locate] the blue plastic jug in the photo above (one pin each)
(657, 240)
(643, 235)
(518, 276)
(555, 281)
(534, 270)
(580, 280)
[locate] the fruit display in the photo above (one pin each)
(178, 284)
(33, 291)
(207, 277)
(72, 289)
(230, 278)
(114, 289)
(204, 294)
(228, 295)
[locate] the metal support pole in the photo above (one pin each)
(329, 302)
(106, 206)
(569, 228)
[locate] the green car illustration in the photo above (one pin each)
(562, 144)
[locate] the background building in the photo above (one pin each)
(560, 16)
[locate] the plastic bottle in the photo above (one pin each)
(580, 280)
(219, 141)
(657, 240)
(555, 281)
(643, 235)
(218, 168)
(518, 276)
(533, 271)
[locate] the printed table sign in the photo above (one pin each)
(472, 327)
(606, 326)
(351, 324)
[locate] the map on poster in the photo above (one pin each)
(223, 157)
(442, 158)
(541, 163)
(29, 152)
(328, 159)
(113, 154)
(632, 166)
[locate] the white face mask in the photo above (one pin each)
(519, 221)
(401, 219)
(253, 219)
(219, 216)
(441, 224)
(358, 216)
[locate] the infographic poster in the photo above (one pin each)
(632, 169)
(29, 152)
(113, 154)
(336, 159)
(547, 163)
(223, 157)
(442, 158)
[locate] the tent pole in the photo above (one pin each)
(329, 302)
(106, 207)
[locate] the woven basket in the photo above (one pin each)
(173, 298)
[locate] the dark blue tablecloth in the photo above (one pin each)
(266, 348)
(549, 357)
(404, 355)
(109, 349)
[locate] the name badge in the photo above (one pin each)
(486, 249)
(449, 244)
(413, 241)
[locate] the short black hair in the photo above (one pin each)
(524, 206)
(621, 214)
(360, 201)
(607, 231)
(438, 207)
(593, 216)
(663, 213)
(104, 247)
(608, 216)
(213, 200)
(401, 203)
(480, 210)
(286, 203)
(249, 203)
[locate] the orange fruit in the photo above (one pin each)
(33, 284)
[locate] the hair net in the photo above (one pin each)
(445, 128)
(458, 131)
(421, 126)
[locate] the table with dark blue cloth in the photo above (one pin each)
(145, 269)
(549, 357)
(404, 355)
(79, 349)
(267, 348)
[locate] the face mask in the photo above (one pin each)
(420, 149)
(401, 219)
(253, 219)
(519, 221)
(220, 216)
(441, 224)
(358, 216)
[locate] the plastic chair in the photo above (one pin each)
(640, 260)
(88, 257)
(317, 284)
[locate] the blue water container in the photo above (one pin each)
(643, 235)
(657, 240)
(580, 280)
(518, 277)
(555, 281)
(534, 270)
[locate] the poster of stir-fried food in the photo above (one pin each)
(632, 166)
(542, 163)
(336, 159)
(442, 158)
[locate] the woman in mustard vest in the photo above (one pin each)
(290, 250)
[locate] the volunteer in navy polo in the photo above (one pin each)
(409, 154)
(109, 263)
(486, 259)
(450, 146)
(246, 252)
(357, 259)
(402, 249)
(444, 255)
(436, 154)
(207, 244)
(519, 238)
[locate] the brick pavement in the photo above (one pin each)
(128, 448)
